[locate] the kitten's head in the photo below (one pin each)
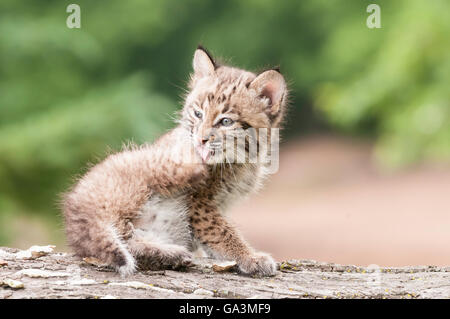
(224, 101)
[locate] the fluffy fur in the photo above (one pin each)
(147, 207)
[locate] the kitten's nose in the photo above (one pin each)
(208, 137)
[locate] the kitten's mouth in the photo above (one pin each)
(215, 145)
(208, 151)
(205, 153)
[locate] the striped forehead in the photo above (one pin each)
(221, 92)
(220, 103)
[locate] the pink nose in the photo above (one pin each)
(207, 137)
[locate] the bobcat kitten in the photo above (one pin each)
(145, 207)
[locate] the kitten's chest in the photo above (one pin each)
(233, 185)
(164, 220)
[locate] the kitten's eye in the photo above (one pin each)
(198, 114)
(226, 121)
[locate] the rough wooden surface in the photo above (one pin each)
(71, 277)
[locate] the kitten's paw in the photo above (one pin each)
(258, 264)
(128, 268)
(175, 256)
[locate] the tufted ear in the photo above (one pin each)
(203, 63)
(270, 85)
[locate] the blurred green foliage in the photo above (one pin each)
(67, 95)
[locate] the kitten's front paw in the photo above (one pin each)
(128, 268)
(259, 264)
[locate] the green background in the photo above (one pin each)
(68, 95)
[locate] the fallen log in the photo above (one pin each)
(42, 273)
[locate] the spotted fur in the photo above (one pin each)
(147, 207)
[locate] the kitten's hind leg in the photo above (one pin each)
(92, 238)
(154, 256)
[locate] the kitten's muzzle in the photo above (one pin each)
(215, 145)
(209, 137)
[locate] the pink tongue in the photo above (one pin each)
(205, 153)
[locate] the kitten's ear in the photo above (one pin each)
(203, 63)
(271, 86)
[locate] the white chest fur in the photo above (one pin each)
(164, 220)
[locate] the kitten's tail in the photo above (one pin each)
(90, 237)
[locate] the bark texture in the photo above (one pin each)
(47, 274)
